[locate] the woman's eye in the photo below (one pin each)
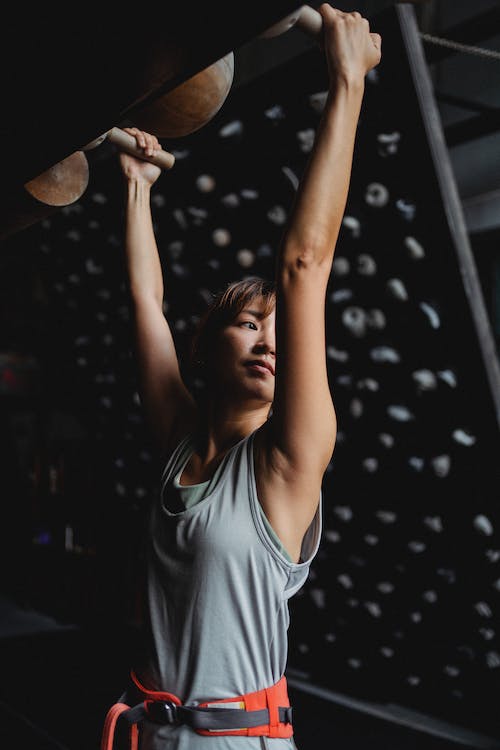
(249, 323)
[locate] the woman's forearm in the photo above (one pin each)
(143, 262)
(316, 216)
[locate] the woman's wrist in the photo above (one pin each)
(350, 82)
(137, 188)
(136, 182)
(345, 95)
(137, 193)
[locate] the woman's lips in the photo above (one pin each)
(263, 367)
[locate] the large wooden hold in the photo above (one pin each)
(64, 184)
(191, 105)
(60, 185)
(64, 83)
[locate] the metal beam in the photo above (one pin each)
(450, 198)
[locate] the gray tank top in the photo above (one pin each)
(191, 494)
(218, 590)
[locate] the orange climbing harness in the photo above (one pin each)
(265, 712)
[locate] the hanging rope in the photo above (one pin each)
(458, 47)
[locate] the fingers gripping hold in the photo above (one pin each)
(352, 50)
(146, 141)
(141, 155)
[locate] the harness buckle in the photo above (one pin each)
(163, 712)
(287, 719)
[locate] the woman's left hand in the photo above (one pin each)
(351, 49)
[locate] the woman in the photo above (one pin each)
(238, 520)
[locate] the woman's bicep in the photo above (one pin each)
(165, 400)
(303, 412)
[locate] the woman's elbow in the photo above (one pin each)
(305, 254)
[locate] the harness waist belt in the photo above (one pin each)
(265, 712)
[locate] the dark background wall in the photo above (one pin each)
(402, 602)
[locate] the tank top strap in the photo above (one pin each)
(177, 456)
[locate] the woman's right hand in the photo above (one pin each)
(138, 169)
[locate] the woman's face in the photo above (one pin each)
(244, 356)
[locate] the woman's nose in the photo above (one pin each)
(265, 344)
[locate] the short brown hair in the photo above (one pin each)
(226, 305)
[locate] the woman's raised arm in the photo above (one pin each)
(167, 404)
(303, 428)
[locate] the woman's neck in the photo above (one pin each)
(225, 425)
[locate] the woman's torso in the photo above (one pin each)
(218, 590)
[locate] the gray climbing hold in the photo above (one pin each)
(425, 379)
(341, 266)
(483, 524)
(414, 247)
(397, 289)
(441, 465)
(353, 225)
(354, 319)
(384, 354)
(464, 437)
(366, 265)
(376, 195)
(431, 313)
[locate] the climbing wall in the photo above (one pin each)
(403, 602)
